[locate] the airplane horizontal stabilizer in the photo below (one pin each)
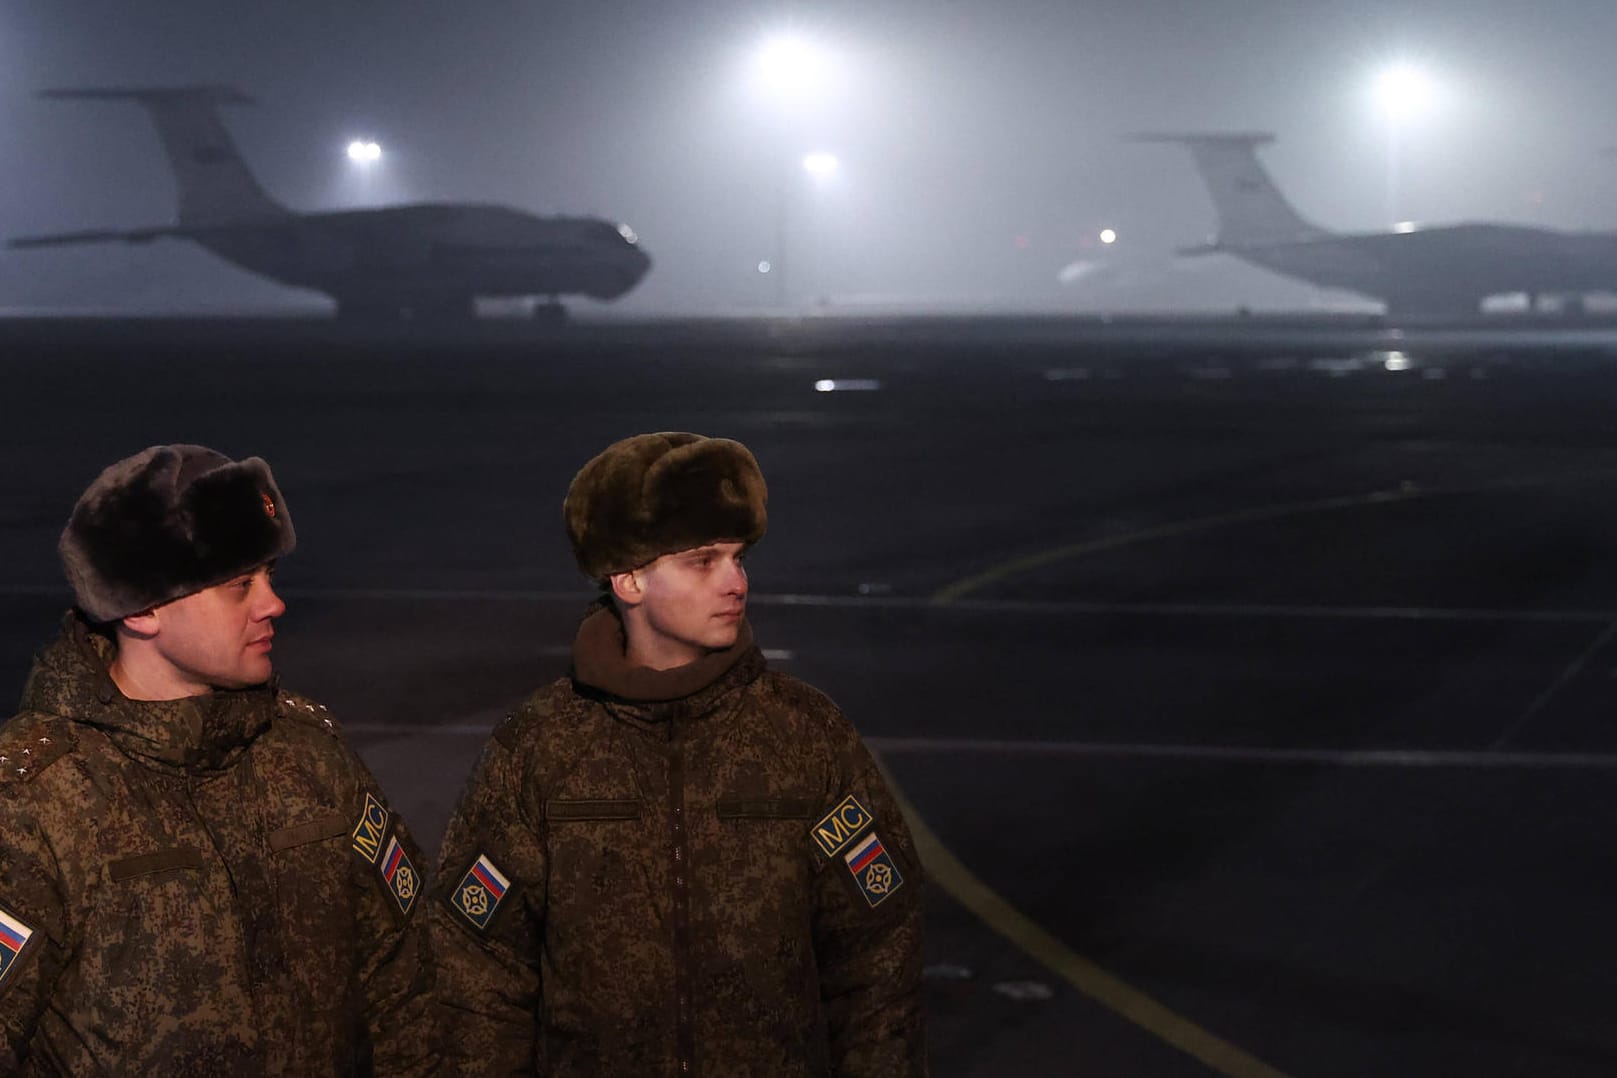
(1217, 138)
(213, 95)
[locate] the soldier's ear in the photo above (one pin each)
(628, 587)
(143, 625)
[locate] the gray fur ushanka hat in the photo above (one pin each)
(655, 494)
(169, 521)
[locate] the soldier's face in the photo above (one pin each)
(693, 601)
(220, 637)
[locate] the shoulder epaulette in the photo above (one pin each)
(28, 748)
(302, 707)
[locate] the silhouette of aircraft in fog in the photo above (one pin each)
(419, 260)
(1442, 271)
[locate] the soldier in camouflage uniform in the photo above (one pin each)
(198, 876)
(676, 861)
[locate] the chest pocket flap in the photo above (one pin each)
(557, 809)
(764, 808)
(329, 826)
(145, 864)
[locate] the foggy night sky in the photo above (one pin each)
(960, 127)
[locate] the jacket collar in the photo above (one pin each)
(198, 735)
(600, 668)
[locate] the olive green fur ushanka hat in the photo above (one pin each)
(656, 494)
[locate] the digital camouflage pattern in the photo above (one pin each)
(662, 905)
(189, 874)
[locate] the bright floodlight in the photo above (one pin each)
(791, 66)
(1108, 235)
(364, 152)
(1404, 91)
(820, 164)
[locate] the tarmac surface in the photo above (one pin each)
(1250, 682)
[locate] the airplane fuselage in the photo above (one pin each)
(434, 249)
(1452, 267)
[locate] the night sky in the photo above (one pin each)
(979, 142)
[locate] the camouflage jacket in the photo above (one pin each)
(686, 872)
(201, 886)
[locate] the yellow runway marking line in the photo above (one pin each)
(1016, 566)
(1408, 492)
(954, 877)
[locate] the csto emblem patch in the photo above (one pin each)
(479, 893)
(873, 870)
(400, 876)
(371, 828)
(14, 937)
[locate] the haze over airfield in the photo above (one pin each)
(977, 143)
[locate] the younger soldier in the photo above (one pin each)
(675, 861)
(198, 876)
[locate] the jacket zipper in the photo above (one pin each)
(682, 926)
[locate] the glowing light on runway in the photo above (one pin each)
(847, 385)
(764, 266)
(1108, 235)
(364, 152)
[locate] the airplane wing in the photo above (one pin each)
(97, 235)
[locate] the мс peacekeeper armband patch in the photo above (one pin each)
(371, 829)
(14, 937)
(478, 895)
(840, 826)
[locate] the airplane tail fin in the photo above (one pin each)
(212, 182)
(1251, 209)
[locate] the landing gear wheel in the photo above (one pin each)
(549, 313)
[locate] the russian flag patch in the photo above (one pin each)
(479, 893)
(14, 936)
(873, 870)
(399, 875)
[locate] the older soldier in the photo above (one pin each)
(198, 876)
(675, 861)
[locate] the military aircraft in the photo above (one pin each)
(424, 260)
(1443, 271)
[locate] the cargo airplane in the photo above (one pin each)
(1442, 271)
(424, 260)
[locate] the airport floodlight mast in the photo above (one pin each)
(791, 68)
(364, 152)
(792, 73)
(1403, 94)
(821, 165)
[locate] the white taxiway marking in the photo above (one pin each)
(1480, 758)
